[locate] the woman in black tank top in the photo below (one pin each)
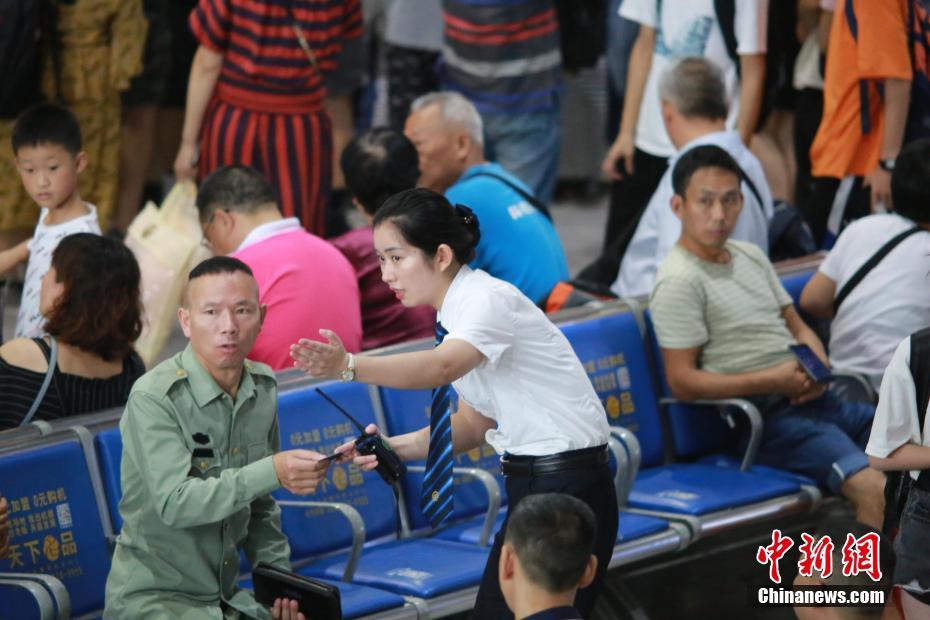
(90, 299)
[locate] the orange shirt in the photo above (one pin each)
(840, 148)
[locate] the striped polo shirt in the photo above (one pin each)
(264, 66)
(733, 311)
(503, 55)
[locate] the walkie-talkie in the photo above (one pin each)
(390, 467)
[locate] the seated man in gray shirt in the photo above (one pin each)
(725, 323)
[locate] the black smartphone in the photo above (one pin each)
(811, 364)
(316, 599)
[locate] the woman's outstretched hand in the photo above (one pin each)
(320, 359)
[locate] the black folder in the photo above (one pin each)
(316, 600)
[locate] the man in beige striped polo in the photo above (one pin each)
(725, 323)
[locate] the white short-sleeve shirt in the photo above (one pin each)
(532, 383)
(895, 422)
(891, 302)
(45, 239)
(690, 28)
(659, 228)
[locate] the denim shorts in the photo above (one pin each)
(823, 439)
(912, 563)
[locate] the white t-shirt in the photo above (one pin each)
(690, 28)
(659, 228)
(531, 383)
(45, 239)
(892, 301)
(895, 422)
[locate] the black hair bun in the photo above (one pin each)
(470, 220)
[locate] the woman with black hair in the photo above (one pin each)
(521, 387)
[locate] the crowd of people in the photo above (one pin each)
(742, 135)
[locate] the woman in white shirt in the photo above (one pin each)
(521, 387)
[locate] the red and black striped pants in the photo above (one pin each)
(293, 151)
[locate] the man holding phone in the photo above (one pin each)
(726, 327)
(200, 460)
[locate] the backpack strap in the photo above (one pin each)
(920, 373)
(852, 21)
(869, 265)
(40, 396)
(726, 18)
(755, 192)
(530, 198)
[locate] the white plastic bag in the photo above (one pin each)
(166, 243)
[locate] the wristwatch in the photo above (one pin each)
(886, 164)
(349, 373)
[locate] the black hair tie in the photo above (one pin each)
(467, 215)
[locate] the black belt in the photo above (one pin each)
(586, 458)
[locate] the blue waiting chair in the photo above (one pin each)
(59, 522)
(706, 498)
(359, 516)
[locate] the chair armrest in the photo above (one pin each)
(627, 461)
(39, 593)
(54, 586)
(355, 521)
(492, 488)
(725, 405)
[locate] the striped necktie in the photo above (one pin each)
(436, 492)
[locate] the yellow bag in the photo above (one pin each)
(166, 243)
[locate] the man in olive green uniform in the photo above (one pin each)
(200, 458)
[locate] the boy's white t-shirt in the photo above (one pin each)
(895, 422)
(29, 321)
(690, 28)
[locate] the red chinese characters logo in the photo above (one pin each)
(859, 555)
(815, 554)
(774, 552)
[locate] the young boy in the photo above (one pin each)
(898, 443)
(47, 146)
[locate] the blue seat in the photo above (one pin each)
(633, 526)
(408, 410)
(424, 568)
(25, 600)
(57, 525)
(794, 283)
(614, 352)
(109, 445)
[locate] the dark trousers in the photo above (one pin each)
(816, 208)
(595, 487)
(628, 200)
(810, 100)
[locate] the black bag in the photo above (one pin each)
(20, 30)
(583, 32)
(898, 484)
(789, 234)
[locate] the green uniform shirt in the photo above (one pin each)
(196, 476)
